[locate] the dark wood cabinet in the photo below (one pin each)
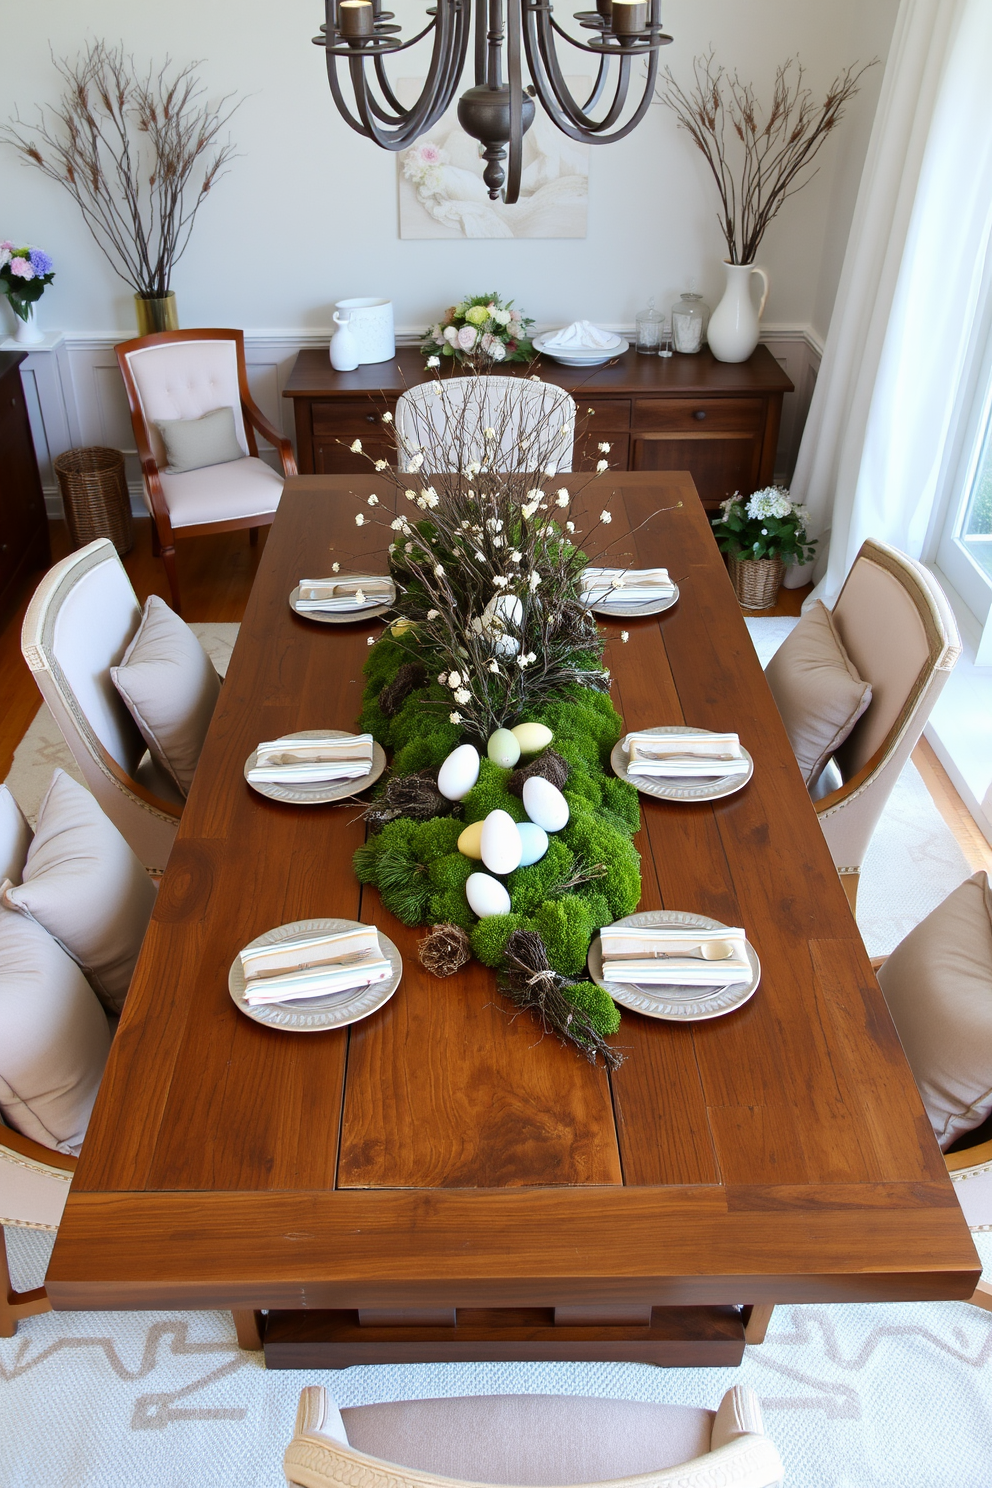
(718, 420)
(23, 524)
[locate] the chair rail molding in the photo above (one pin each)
(76, 397)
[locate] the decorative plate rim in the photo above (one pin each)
(686, 1010)
(322, 617)
(302, 1019)
(716, 790)
(320, 791)
(634, 612)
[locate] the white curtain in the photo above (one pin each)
(898, 342)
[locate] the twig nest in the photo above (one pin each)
(533, 843)
(459, 772)
(550, 765)
(411, 675)
(545, 804)
(486, 896)
(500, 842)
(470, 841)
(415, 796)
(445, 950)
(532, 737)
(503, 749)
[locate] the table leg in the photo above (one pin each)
(249, 1327)
(758, 1318)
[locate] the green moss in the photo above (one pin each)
(424, 711)
(528, 887)
(450, 907)
(402, 883)
(438, 838)
(596, 841)
(490, 935)
(450, 872)
(598, 1004)
(565, 926)
(622, 801)
(581, 786)
(364, 860)
(490, 794)
(429, 751)
(596, 903)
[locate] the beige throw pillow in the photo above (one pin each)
(190, 444)
(87, 888)
(170, 688)
(817, 690)
(938, 985)
(55, 1037)
(15, 837)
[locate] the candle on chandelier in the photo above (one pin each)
(605, 8)
(630, 17)
(355, 17)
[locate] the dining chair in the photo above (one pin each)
(78, 625)
(899, 632)
(510, 424)
(34, 1185)
(185, 375)
(531, 1439)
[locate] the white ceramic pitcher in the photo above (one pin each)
(733, 329)
(371, 323)
(344, 347)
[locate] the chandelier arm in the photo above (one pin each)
(479, 29)
(511, 191)
(556, 97)
(447, 63)
(399, 112)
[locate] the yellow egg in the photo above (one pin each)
(401, 626)
(470, 841)
(532, 737)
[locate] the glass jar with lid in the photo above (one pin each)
(689, 319)
(649, 323)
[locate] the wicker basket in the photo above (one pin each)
(756, 581)
(95, 496)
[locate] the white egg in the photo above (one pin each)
(503, 613)
(486, 896)
(532, 737)
(500, 842)
(459, 772)
(503, 749)
(545, 804)
(533, 843)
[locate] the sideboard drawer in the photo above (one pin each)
(349, 415)
(601, 414)
(699, 415)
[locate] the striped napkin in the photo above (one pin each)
(314, 965)
(709, 756)
(633, 954)
(347, 592)
(624, 586)
(285, 761)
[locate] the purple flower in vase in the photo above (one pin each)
(40, 262)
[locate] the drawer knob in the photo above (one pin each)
(371, 418)
(700, 414)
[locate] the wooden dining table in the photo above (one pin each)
(442, 1181)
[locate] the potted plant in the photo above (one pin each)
(760, 536)
(24, 274)
(479, 331)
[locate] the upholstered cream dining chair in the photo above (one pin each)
(78, 625)
(531, 1439)
(184, 375)
(34, 1185)
(898, 631)
(499, 423)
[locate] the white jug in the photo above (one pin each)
(733, 329)
(344, 347)
(371, 323)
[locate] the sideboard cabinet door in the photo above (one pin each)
(23, 523)
(719, 440)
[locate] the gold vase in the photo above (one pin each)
(156, 313)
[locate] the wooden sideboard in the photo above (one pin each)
(718, 420)
(23, 524)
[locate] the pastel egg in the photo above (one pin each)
(459, 772)
(486, 896)
(532, 737)
(533, 843)
(503, 749)
(545, 804)
(500, 842)
(470, 841)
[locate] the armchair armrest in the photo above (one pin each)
(850, 787)
(33, 1152)
(268, 431)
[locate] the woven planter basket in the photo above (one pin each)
(756, 581)
(95, 496)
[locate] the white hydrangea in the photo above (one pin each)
(772, 501)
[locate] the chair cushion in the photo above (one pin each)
(15, 837)
(530, 1439)
(222, 493)
(55, 1037)
(83, 883)
(192, 444)
(938, 985)
(816, 689)
(170, 688)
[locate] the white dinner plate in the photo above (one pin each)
(676, 1004)
(620, 609)
(315, 1014)
(580, 359)
(316, 792)
(346, 617)
(676, 788)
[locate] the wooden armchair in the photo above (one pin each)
(183, 375)
(34, 1185)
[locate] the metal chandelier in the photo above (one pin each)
(496, 112)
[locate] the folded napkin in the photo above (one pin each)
(314, 965)
(351, 592)
(623, 586)
(301, 760)
(631, 954)
(710, 756)
(581, 336)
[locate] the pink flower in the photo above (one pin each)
(429, 154)
(6, 244)
(21, 268)
(466, 337)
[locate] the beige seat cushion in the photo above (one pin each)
(170, 688)
(87, 888)
(816, 689)
(15, 837)
(55, 1037)
(192, 444)
(222, 493)
(938, 985)
(530, 1439)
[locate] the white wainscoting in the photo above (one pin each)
(76, 397)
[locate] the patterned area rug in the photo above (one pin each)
(857, 1396)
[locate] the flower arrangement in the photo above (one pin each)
(480, 330)
(25, 273)
(768, 524)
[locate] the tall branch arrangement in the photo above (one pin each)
(757, 159)
(138, 152)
